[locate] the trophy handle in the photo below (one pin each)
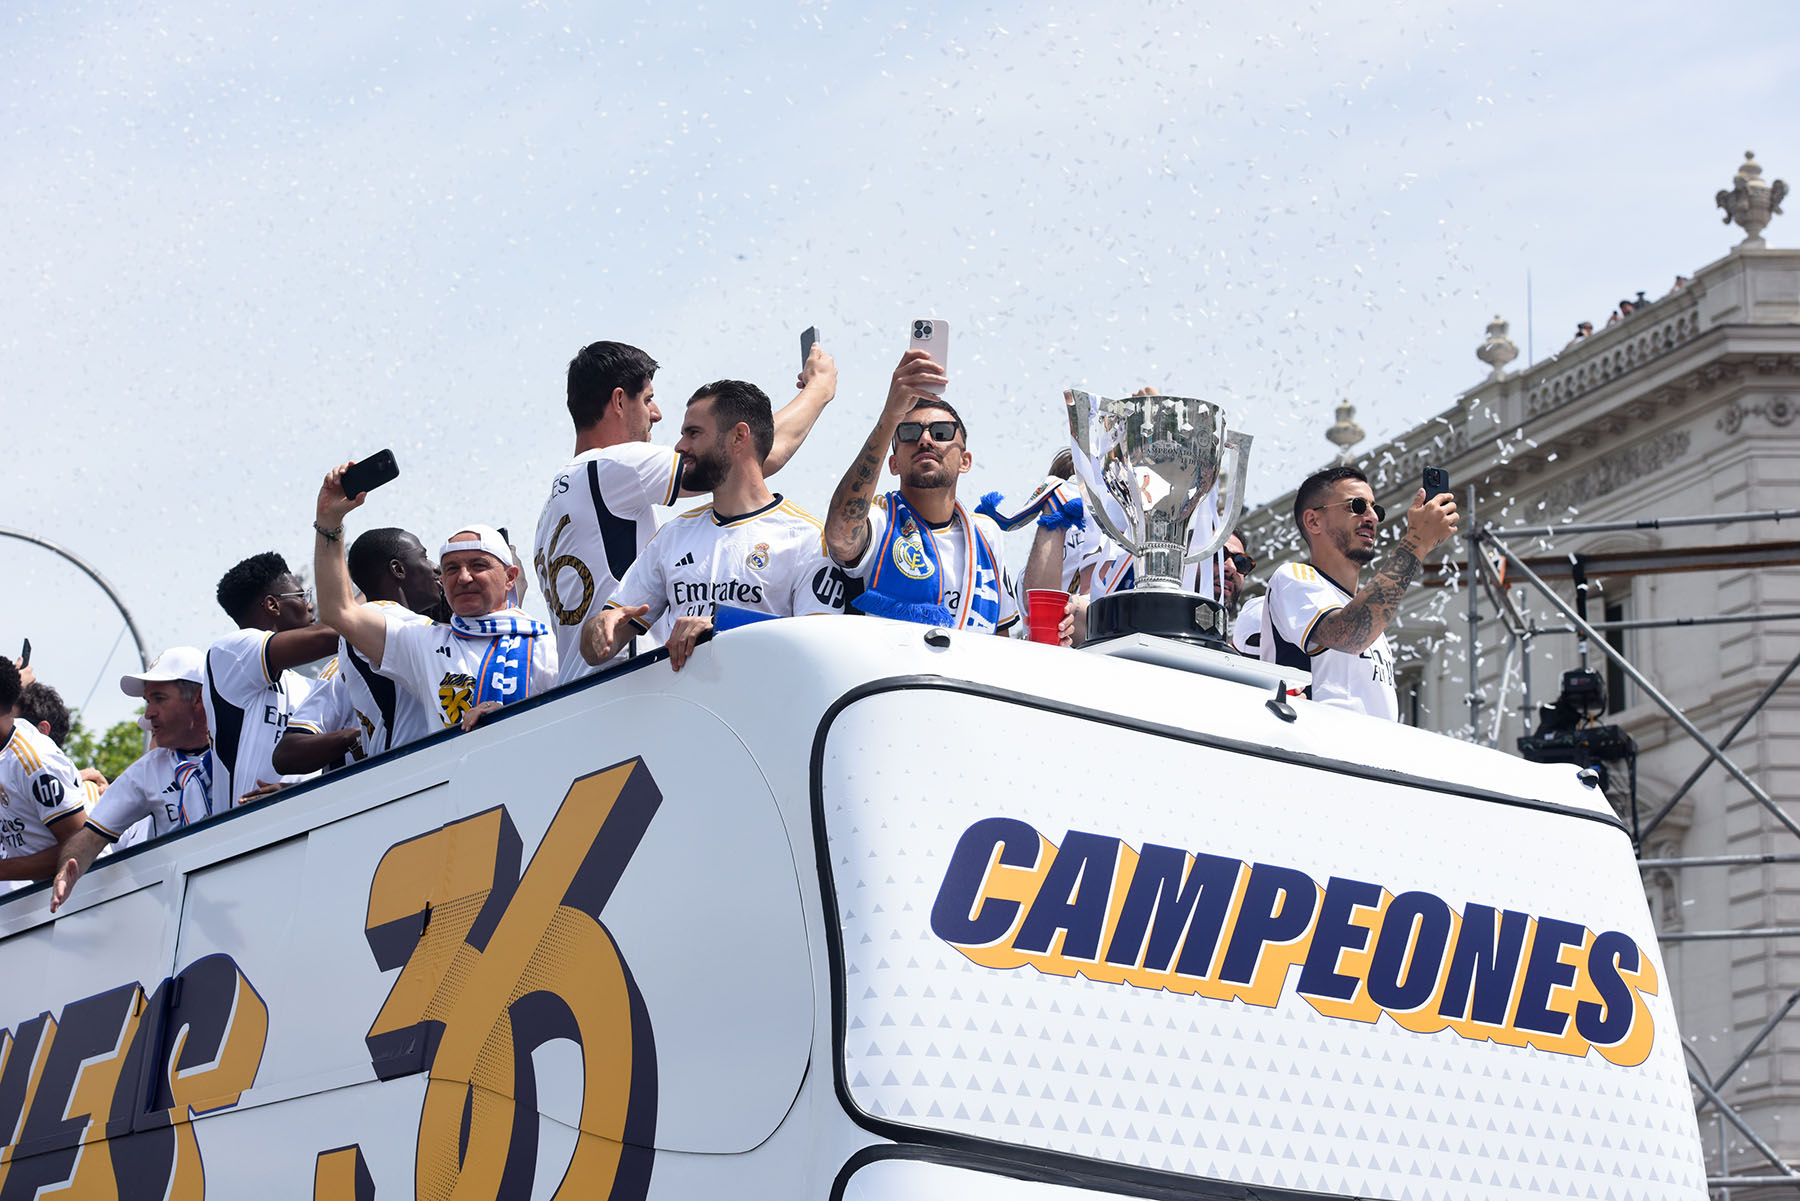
(1081, 428)
(1237, 446)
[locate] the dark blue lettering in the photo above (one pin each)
(1397, 982)
(1610, 1021)
(49, 1143)
(954, 917)
(1278, 907)
(1176, 913)
(1545, 971)
(1337, 933)
(1074, 897)
(1483, 965)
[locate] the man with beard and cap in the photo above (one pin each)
(601, 511)
(358, 710)
(920, 555)
(488, 655)
(1316, 617)
(172, 787)
(748, 550)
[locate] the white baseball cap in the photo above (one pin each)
(176, 663)
(488, 540)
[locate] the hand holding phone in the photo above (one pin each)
(370, 473)
(25, 655)
(1437, 482)
(808, 336)
(933, 337)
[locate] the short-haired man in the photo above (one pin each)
(920, 554)
(43, 707)
(1317, 618)
(40, 794)
(749, 549)
(601, 512)
(487, 656)
(171, 787)
(251, 687)
(358, 711)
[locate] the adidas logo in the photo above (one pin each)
(686, 560)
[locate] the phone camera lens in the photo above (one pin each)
(921, 329)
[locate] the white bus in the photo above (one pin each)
(853, 909)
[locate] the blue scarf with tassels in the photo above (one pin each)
(905, 580)
(1056, 503)
(505, 672)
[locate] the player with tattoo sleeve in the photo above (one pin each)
(1317, 618)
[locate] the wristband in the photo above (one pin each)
(332, 535)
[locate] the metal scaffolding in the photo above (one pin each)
(1496, 569)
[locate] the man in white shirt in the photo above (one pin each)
(40, 794)
(358, 710)
(920, 554)
(749, 549)
(1316, 618)
(172, 786)
(487, 656)
(251, 689)
(601, 511)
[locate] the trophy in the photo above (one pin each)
(1152, 467)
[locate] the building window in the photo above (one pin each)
(1409, 684)
(1618, 687)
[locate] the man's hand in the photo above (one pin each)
(847, 518)
(77, 853)
(608, 630)
(64, 884)
(333, 505)
(476, 713)
(92, 776)
(27, 677)
(684, 637)
(1072, 631)
(1432, 521)
(916, 370)
(262, 791)
(819, 371)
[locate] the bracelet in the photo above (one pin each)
(332, 535)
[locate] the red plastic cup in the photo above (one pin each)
(1044, 613)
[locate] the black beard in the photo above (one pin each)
(703, 475)
(1360, 554)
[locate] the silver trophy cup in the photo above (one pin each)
(1165, 479)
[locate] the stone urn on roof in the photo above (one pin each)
(1751, 201)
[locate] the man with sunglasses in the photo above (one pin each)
(251, 689)
(1317, 618)
(920, 554)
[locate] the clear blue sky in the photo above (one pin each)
(245, 243)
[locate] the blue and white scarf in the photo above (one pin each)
(505, 671)
(905, 580)
(1056, 503)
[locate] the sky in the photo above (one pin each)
(245, 242)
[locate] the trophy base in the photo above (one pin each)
(1183, 616)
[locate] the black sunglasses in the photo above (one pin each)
(1358, 505)
(942, 432)
(1244, 563)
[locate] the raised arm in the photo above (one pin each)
(78, 854)
(363, 627)
(817, 384)
(847, 521)
(1355, 627)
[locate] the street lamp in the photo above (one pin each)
(92, 574)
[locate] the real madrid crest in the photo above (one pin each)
(758, 558)
(909, 555)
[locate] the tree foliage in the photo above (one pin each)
(111, 751)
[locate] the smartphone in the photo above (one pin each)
(808, 336)
(1437, 482)
(933, 336)
(25, 654)
(370, 473)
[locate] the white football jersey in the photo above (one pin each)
(439, 667)
(38, 788)
(167, 788)
(247, 710)
(769, 561)
(961, 583)
(1247, 628)
(599, 518)
(1298, 596)
(388, 715)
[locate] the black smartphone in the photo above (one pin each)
(370, 473)
(1437, 482)
(808, 336)
(25, 654)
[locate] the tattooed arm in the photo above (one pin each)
(1355, 627)
(847, 521)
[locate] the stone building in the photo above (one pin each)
(1686, 406)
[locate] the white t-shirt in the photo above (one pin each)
(598, 520)
(1298, 596)
(387, 715)
(38, 788)
(959, 583)
(769, 561)
(169, 788)
(1247, 627)
(247, 710)
(438, 666)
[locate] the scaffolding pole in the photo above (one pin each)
(1474, 619)
(1648, 523)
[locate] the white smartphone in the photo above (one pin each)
(932, 336)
